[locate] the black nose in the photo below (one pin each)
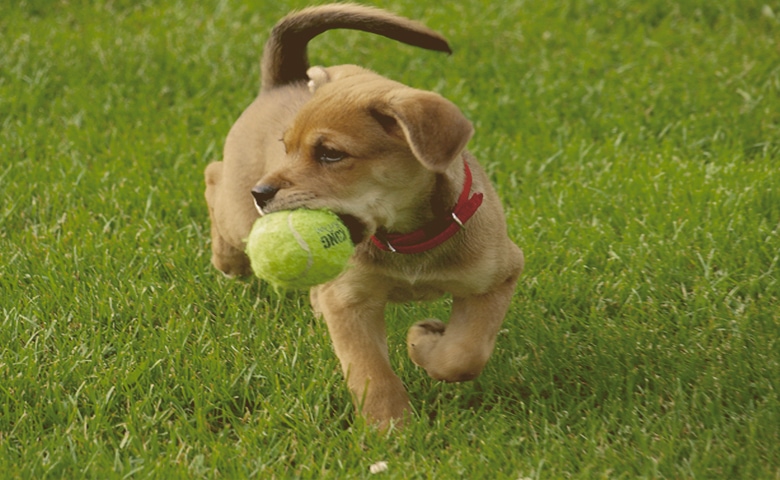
(263, 194)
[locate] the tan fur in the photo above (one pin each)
(404, 166)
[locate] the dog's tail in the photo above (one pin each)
(285, 60)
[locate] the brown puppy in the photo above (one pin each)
(390, 161)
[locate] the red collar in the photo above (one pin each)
(423, 240)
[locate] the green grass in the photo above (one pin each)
(636, 145)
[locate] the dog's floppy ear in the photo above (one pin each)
(435, 129)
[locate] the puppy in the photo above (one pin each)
(390, 160)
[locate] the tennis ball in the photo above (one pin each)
(299, 248)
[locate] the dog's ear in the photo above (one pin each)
(318, 76)
(435, 129)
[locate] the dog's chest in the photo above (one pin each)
(412, 284)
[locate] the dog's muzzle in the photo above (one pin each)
(263, 194)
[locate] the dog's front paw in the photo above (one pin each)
(232, 266)
(385, 404)
(422, 340)
(443, 353)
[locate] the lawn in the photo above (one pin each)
(636, 147)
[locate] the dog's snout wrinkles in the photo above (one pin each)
(263, 194)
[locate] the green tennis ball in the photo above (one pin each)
(299, 248)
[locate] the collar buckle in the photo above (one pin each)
(458, 221)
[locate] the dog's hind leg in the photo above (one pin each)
(459, 350)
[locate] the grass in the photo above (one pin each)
(636, 146)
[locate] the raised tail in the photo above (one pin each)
(285, 60)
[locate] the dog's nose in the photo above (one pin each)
(263, 194)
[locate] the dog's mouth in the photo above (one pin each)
(358, 231)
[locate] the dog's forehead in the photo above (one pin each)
(340, 104)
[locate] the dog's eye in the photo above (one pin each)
(328, 155)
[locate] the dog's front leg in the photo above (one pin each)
(357, 328)
(458, 351)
